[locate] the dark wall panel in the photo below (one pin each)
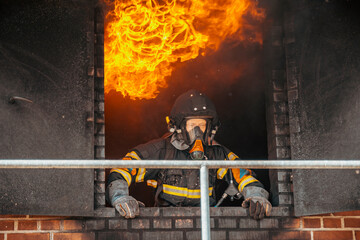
(46, 48)
(323, 73)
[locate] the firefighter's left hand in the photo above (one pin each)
(128, 207)
(256, 199)
(259, 207)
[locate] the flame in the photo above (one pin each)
(143, 38)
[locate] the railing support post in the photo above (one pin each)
(205, 208)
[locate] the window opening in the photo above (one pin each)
(232, 75)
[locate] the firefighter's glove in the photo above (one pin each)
(256, 199)
(118, 194)
(128, 206)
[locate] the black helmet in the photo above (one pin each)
(193, 104)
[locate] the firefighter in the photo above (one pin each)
(193, 123)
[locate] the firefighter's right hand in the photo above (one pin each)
(128, 206)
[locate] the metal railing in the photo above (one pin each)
(186, 164)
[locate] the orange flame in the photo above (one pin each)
(144, 37)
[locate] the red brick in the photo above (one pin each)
(352, 222)
(357, 235)
(27, 225)
(333, 235)
(349, 213)
(6, 225)
(189, 223)
(311, 223)
(12, 216)
(74, 236)
(73, 225)
(286, 235)
(332, 222)
(1, 236)
(290, 223)
(50, 225)
(28, 236)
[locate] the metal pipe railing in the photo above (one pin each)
(204, 202)
(186, 164)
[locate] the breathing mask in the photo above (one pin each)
(196, 137)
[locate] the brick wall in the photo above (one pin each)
(277, 111)
(182, 224)
(99, 106)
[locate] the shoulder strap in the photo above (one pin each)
(169, 150)
(169, 155)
